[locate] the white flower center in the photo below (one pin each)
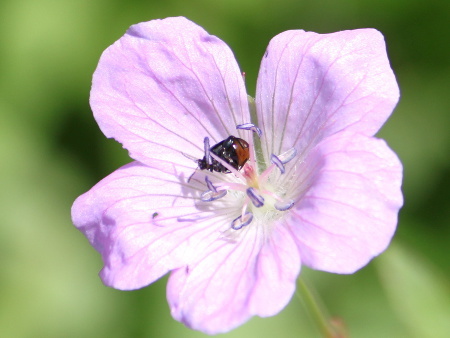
(252, 198)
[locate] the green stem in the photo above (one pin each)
(317, 313)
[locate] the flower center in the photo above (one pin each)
(259, 196)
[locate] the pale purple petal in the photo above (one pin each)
(144, 222)
(349, 213)
(236, 280)
(313, 85)
(164, 86)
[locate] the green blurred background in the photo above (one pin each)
(52, 151)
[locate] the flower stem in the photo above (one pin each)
(330, 328)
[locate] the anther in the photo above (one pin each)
(210, 185)
(287, 155)
(250, 126)
(242, 221)
(255, 197)
(207, 153)
(283, 206)
(209, 196)
(276, 160)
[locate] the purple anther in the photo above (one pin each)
(242, 221)
(283, 206)
(275, 160)
(210, 185)
(207, 154)
(209, 196)
(250, 126)
(287, 155)
(255, 197)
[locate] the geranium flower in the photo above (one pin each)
(318, 188)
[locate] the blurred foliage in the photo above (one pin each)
(52, 151)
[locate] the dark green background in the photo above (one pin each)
(52, 150)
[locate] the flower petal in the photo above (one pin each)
(164, 86)
(349, 213)
(144, 223)
(236, 280)
(313, 85)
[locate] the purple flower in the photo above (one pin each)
(318, 188)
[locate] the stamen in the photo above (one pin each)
(208, 196)
(250, 126)
(283, 159)
(244, 208)
(275, 160)
(231, 186)
(207, 152)
(228, 166)
(283, 206)
(265, 175)
(256, 198)
(210, 185)
(287, 155)
(242, 221)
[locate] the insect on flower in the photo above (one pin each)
(232, 150)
